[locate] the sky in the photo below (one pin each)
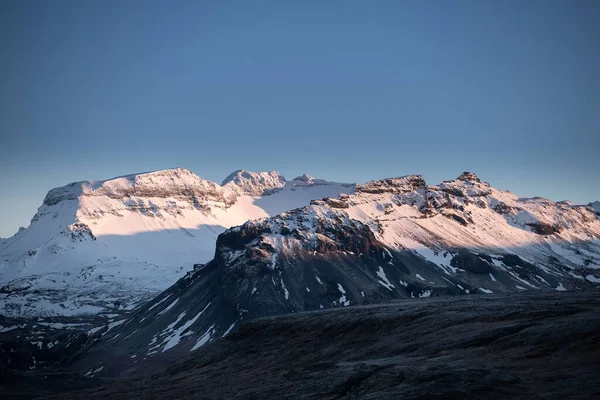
(343, 90)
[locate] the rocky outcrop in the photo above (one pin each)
(469, 177)
(393, 185)
(79, 232)
(542, 228)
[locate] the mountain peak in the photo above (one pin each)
(254, 183)
(468, 177)
(162, 183)
(304, 178)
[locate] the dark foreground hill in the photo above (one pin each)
(535, 345)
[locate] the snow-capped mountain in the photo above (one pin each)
(392, 238)
(103, 245)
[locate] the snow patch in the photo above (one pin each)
(384, 280)
(343, 301)
(560, 287)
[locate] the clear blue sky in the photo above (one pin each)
(343, 90)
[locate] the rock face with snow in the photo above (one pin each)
(392, 238)
(108, 245)
(254, 183)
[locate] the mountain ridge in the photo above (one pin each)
(390, 239)
(158, 223)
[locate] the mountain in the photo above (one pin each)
(391, 239)
(595, 205)
(101, 246)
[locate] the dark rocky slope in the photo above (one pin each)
(535, 345)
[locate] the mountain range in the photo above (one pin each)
(116, 277)
(104, 246)
(384, 240)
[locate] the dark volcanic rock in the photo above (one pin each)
(542, 228)
(393, 185)
(468, 177)
(471, 262)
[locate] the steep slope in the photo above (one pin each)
(98, 246)
(393, 238)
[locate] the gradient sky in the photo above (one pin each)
(342, 90)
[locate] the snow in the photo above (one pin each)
(159, 302)
(177, 334)
(420, 277)
(168, 307)
(561, 288)
(94, 330)
(485, 290)
(273, 261)
(384, 280)
(114, 324)
(229, 329)
(592, 278)
(565, 253)
(388, 252)
(204, 338)
(285, 291)
(343, 301)
(439, 259)
(95, 371)
(13, 327)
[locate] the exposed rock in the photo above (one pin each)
(542, 228)
(333, 203)
(502, 208)
(453, 191)
(470, 262)
(468, 177)
(393, 185)
(79, 232)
